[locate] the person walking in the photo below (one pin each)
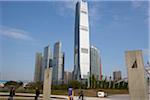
(37, 94)
(12, 93)
(70, 93)
(81, 95)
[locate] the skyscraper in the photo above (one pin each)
(63, 66)
(47, 59)
(67, 77)
(38, 67)
(95, 62)
(58, 64)
(81, 46)
(117, 75)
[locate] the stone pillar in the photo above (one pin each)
(138, 87)
(47, 84)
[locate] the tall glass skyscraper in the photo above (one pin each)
(38, 67)
(46, 60)
(81, 46)
(117, 75)
(58, 64)
(95, 62)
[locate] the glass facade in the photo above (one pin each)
(117, 75)
(46, 60)
(95, 62)
(81, 46)
(58, 64)
(38, 67)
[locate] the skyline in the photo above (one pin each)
(30, 26)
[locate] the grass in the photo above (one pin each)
(91, 92)
(59, 92)
(87, 92)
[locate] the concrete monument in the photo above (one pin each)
(47, 84)
(138, 87)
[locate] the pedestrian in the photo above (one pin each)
(81, 95)
(12, 93)
(70, 93)
(37, 94)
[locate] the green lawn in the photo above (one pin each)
(91, 92)
(87, 92)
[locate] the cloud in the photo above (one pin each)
(14, 33)
(66, 7)
(146, 53)
(143, 7)
(94, 13)
(137, 3)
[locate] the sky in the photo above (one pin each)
(27, 27)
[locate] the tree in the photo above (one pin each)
(93, 81)
(104, 82)
(75, 84)
(60, 87)
(34, 85)
(20, 83)
(14, 84)
(99, 84)
(110, 82)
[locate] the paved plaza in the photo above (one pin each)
(27, 96)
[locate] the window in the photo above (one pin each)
(84, 12)
(85, 28)
(84, 50)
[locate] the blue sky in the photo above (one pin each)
(27, 27)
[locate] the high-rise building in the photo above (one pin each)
(67, 77)
(117, 75)
(38, 67)
(47, 60)
(95, 62)
(63, 66)
(81, 46)
(58, 64)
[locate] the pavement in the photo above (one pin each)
(28, 96)
(112, 97)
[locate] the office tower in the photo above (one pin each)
(100, 70)
(117, 75)
(63, 66)
(81, 43)
(67, 77)
(58, 64)
(38, 67)
(47, 60)
(95, 62)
